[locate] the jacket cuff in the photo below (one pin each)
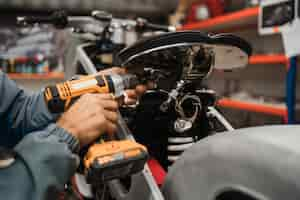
(64, 136)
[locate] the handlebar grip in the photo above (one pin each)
(33, 20)
(59, 19)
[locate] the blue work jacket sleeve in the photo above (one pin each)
(20, 113)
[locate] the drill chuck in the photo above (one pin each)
(120, 83)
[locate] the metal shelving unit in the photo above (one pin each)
(238, 20)
(269, 59)
(254, 107)
(48, 76)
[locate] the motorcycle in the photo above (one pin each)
(177, 113)
(179, 123)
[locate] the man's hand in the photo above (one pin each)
(91, 116)
(134, 94)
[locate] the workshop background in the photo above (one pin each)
(262, 93)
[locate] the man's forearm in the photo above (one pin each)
(23, 113)
(44, 163)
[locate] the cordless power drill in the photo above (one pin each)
(108, 160)
(60, 97)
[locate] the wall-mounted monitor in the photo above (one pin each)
(277, 16)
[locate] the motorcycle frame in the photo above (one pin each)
(147, 188)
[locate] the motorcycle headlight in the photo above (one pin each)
(188, 55)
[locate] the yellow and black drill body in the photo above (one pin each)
(109, 160)
(59, 97)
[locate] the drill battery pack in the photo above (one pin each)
(114, 160)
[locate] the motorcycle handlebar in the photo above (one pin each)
(61, 20)
(58, 19)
